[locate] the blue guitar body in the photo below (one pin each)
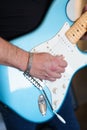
(15, 90)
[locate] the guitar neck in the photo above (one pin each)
(78, 29)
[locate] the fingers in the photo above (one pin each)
(57, 67)
(50, 78)
(84, 37)
(57, 76)
(58, 64)
(48, 67)
(84, 9)
(61, 61)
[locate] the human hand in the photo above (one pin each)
(48, 67)
(84, 10)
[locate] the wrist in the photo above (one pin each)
(21, 59)
(29, 64)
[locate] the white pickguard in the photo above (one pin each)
(58, 45)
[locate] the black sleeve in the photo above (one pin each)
(20, 17)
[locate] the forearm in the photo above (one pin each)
(44, 65)
(11, 55)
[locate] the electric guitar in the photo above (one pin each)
(31, 98)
